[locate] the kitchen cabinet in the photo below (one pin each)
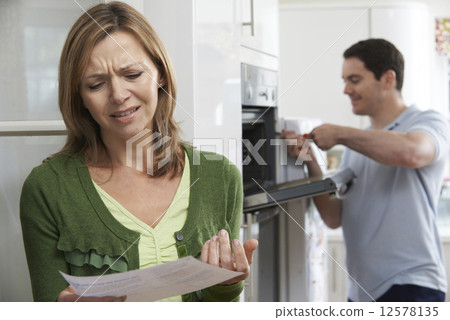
(32, 34)
(18, 155)
(260, 26)
(337, 275)
(259, 33)
(314, 37)
(203, 40)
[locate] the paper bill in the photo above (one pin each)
(162, 281)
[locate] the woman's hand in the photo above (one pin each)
(69, 295)
(239, 259)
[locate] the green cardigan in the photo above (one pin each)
(67, 227)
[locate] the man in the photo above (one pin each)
(388, 215)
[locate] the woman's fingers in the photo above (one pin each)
(210, 252)
(237, 257)
(241, 262)
(250, 247)
(213, 252)
(217, 251)
(240, 257)
(69, 295)
(205, 251)
(226, 256)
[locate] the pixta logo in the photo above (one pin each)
(141, 148)
(257, 150)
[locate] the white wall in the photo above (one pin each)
(312, 41)
(314, 34)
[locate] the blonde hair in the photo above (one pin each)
(83, 133)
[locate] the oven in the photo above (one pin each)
(260, 167)
(258, 156)
(279, 264)
(259, 127)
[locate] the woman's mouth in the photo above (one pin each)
(125, 113)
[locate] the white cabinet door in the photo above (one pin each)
(337, 274)
(260, 25)
(18, 155)
(218, 79)
(32, 34)
(202, 38)
(312, 41)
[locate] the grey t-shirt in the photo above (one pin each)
(389, 215)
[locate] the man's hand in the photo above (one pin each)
(293, 150)
(326, 136)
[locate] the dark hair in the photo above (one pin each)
(379, 56)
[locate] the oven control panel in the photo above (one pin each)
(259, 86)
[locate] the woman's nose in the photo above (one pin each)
(119, 91)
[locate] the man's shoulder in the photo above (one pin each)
(428, 118)
(423, 115)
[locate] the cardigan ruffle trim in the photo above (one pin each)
(79, 259)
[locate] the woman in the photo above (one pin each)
(85, 211)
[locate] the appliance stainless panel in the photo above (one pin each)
(259, 127)
(259, 169)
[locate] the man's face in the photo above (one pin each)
(361, 86)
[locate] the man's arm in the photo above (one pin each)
(330, 209)
(411, 150)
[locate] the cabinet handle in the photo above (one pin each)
(251, 23)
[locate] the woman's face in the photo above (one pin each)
(120, 87)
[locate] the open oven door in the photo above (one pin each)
(304, 188)
(274, 263)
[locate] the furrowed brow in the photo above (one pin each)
(133, 65)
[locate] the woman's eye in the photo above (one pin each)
(134, 75)
(95, 86)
